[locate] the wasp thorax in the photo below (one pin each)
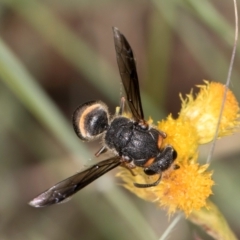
(90, 120)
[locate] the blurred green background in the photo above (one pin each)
(57, 54)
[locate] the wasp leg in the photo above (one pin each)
(175, 166)
(163, 134)
(100, 151)
(129, 167)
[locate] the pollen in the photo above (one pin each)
(203, 111)
(188, 186)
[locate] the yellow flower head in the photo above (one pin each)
(204, 111)
(187, 186)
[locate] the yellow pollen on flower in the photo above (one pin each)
(204, 110)
(180, 134)
(187, 188)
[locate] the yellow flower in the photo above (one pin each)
(188, 187)
(204, 111)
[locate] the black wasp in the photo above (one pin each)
(133, 141)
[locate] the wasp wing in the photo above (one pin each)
(128, 72)
(66, 188)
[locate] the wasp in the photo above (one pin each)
(133, 141)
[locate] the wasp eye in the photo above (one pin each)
(149, 171)
(90, 120)
(174, 154)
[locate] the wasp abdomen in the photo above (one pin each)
(90, 120)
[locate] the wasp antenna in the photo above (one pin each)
(140, 185)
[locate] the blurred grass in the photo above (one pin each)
(208, 55)
(30, 93)
(159, 47)
(25, 87)
(71, 47)
(186, 19)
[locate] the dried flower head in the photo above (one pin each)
(188, 187)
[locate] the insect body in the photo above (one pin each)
(132, 140)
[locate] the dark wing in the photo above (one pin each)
(128, 72)
(66, 188)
